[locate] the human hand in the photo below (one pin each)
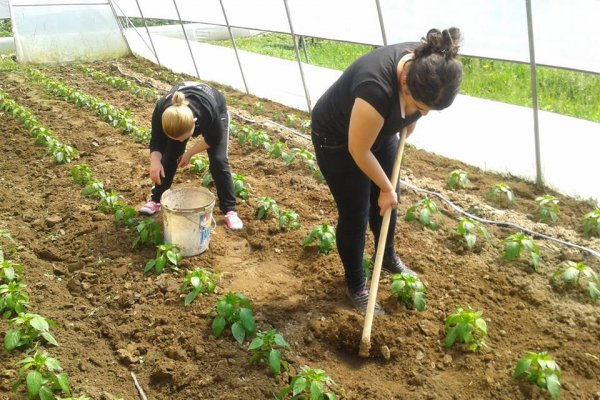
(183, 160)
(156, 172)
(386, 200)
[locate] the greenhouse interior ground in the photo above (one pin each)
(112, 319)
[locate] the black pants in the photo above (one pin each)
(356, 198)
(218, 167)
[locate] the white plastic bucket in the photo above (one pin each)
(187, 218)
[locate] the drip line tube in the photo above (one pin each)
(499, 223)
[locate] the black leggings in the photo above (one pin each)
(218, 167)
(356, 198)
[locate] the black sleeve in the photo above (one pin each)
(158, 139)
(375, 95)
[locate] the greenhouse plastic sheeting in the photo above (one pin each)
(564, 32)
(4, 11)
(65, 33)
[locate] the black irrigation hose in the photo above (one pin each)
(271, 122)
(499, 223)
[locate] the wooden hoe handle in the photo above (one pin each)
(365, 343)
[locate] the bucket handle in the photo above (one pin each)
(213, 222)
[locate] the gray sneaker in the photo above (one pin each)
(360, 300)
(394, 265)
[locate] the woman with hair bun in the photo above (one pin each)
(355, 127)
(191, 109)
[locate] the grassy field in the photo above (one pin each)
(565, 92)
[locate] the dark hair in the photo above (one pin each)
(435, 73)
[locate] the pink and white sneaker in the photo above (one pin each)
(150, 208)
(233, 221)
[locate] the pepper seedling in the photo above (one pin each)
(148, 233)
(40, 375)
(198, 164)
(459, 179)
(233, 310)
(14, 300)
(125, 214)
(425, 209)
(469, 228)
(547, 209)
(288, 220)
(266, 349)
(81, 174)
(573, 273)
(465, 326)
(28, 330)
(591, 223)
(326, 236)
(240, 186)
(541, 370)
(501, 194)
(199, 281)
(168, 256)
(266, 204)
(310, 383)
(516, 244)
(409, 289)
(9, 271)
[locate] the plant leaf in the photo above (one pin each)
(522, 366)
(39, 323)
(275, 361)
(34, 383)
(63, 382)
(553, 385)
(12, 339)
(218, 325)
(191, 296)
(49, 338)
(299, 385)
(247, 320)
(238, 331)
(256, 344)
(46, 393)
(419, 301)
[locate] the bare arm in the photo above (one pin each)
(365, 124)
(198, 147)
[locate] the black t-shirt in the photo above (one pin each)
(373, 78)
(206, 103)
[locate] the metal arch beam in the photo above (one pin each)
(186, 39)
(237, 56)
(539, 180)
(306, 94)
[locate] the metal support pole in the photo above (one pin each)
(306, 94)
(303, 44)
(110, 3)
(380, 14)
(532, 65)
(237, 56)
(186, 38)
(148, 32)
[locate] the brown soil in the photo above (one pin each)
(82, 272)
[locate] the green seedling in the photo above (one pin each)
(541, 370)
(29, 330)
(233, 310)
(9, 271)
(465, 326)
(266, 205)
(573, 273)
(326, 236)
(207, 179)
(244, 135)
(125, 215)
(290, 120)
(266, 349)
(318, 175)
(501, 193)
(547, 209)
(306, 157)
(198, 282)
(469, 228)
(367, 266)
(516, 244)
(148, 233)
(306, 126)
(591, 223)
(81, 174)
(258, 108)
(168, 256)
(62, 153)
(110, 202)
(14, 300)
(424, 209)
(459, 180)
(94, 189)
(310, 383)
(261, 140)
(409, 289)
(288, 220)
(240, 186)
(41, 376)
(279, 149)
(199, 164)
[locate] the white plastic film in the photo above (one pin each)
(65, 33)
(4, 11)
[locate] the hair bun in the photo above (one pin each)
(446, 42)
(179, 99)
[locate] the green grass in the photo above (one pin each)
(7, 64)
(576, 94)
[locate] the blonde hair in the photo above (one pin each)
(178, 118)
